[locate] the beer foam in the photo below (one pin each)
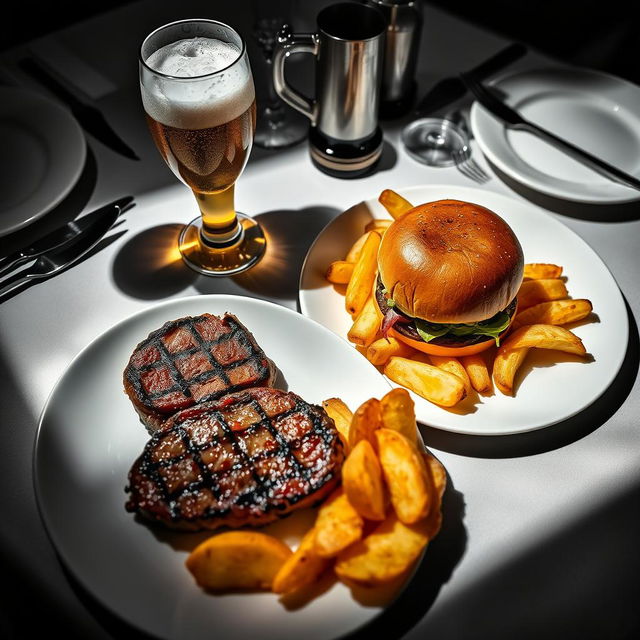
(204, 101)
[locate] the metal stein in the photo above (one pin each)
(344, 138)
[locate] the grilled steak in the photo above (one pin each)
(246, 459)
(193, 360)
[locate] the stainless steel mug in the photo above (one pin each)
(344, 138)
(404, 26)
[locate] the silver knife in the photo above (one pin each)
(62, 236)
(53, 262)
(514, 120)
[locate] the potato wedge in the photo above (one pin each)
(554, 312)
(366, 326)
(356, 248)
(381, 350)
(337, 526)
(438, 473)
(364, 275)
(404, 475)
(238, 560)
(394, 203)
(434, 384)
(379, 225)
(397, 413)
(453, 365)
(341, 415)
(539, 270)
(362, 482)
(339, 272)
(386, 553)
(535, 291)
(365, 421)
(505, 366)
(544, 336)
(302, 568)
(478, 372)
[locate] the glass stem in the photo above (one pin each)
(220, 226)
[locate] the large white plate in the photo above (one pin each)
(89, 436)
(547, 394)
(44, 152)
(595, 111)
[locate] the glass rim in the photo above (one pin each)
(168, 76)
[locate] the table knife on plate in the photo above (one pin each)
(64, 235)
(513, 120)
(451, 89)
(88, 116)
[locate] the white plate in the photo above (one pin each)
(44, 153)
(547, 394)
(89, 436)
(595, 111)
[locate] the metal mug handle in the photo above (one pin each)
(288, 43)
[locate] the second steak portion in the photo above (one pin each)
(193, 360)
(245, 459)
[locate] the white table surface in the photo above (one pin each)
(540, 533)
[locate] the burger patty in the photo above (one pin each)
(245, 459)
(409, 329)
(193, 360)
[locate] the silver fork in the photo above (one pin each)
(468, 167)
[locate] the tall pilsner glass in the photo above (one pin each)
(198, 95)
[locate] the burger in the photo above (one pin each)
(449, 272)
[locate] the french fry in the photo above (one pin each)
(238, 560)
(430, 382)
(404, 475)
(366, 326)
(337, 526)
(544, 336)
(478, 372)
(382, 349)
(535, 291)
(438, 473)
(378, 225)
(394, 203)
(453, 365)
(397, 413)
(341, 415)
(538, 270)
(364, 275)
(302, 568)
(356, 248)
(554, 312)
(505, 366)
(339, 272)
(387, 552)
(362, 482)
(366, 420)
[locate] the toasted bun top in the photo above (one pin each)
(451, 261)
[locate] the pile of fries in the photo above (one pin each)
(370, 531)
(543, 305)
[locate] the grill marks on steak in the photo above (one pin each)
(246, 459)
(193, 360)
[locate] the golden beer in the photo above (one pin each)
(199, 100)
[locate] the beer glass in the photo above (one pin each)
(199, 99)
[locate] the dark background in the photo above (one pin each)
(594, 33)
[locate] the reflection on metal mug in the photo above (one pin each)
(345, 139)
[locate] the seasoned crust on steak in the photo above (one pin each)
(248, 458)
(193, 360)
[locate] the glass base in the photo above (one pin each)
(434, 141)
(280, 127)
(209, 261)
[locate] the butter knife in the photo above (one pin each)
(514, 120)
(64, 235)
(87, 115)
(53, 262)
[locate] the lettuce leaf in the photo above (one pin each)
(492, 327)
